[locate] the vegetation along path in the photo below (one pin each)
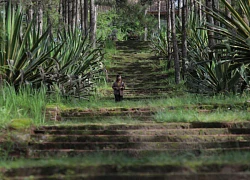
(127, 140)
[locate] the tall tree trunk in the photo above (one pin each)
(39, 17)
(159, 14)
(64, 14)
(73, 14)
(228, 13)
(175, 45)
(210, 20)
(192, 5)
(145, 28)
(169, 29)
(70, 17)
(49, 18)
(61, 13)
(30, 13)
(184, 37)
(82, 16)
(78, 13)
(179, 8)
(215, 4)
(86, 9)
(200, 11)
(92, 22)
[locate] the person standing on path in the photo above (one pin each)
(118, 87)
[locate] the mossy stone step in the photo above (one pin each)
(109, 119)
(36, 153)
(104, 113)
(156, 132)
(138, 145)
(148, 126)
(139, 138)
(146, 176)
(147, 77)
(129, 169)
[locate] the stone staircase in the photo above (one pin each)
(90, 146)
(142, 72)
(140, 139)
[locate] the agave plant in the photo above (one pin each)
(224, 71)
(233, 34)
(77, 67)
(67, 63)
(159, 43)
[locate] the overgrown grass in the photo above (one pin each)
(97, 159)
(194, 115)
(102, 120)
(27, 103)
(184, 100)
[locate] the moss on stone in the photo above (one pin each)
(20, 124)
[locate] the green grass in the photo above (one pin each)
(99, 121)
(97, 159)
(27, 104)
(195, 116)
(184, 100)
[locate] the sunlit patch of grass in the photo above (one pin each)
(181, 115)
(26, 103)
(177, 101)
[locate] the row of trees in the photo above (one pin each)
(58, 14)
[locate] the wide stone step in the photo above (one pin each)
(140, 138)
(138, 145)
(91, 170)
(155, 132)
(147, 77)
(109, 119)
(36, 153)
(145, 91)
(146, 176)
(148, 126)
(105, 112)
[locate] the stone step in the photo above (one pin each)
(140, 90)
(153, 169)
(146, 176)
(138, 145)
(147, 77)
(155, 132)
(109, 119)
(35, 153)
(132, 70)
(148, 126)
(161, 84)
(78, 113)
(139, 138)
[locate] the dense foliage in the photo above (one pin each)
(67, 63)
(223, 67)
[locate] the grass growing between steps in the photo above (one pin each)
(196, 116)
(99, 121)
(185, 100)
(121, 160)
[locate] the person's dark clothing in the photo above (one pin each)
(118, 88)
(118, 98)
